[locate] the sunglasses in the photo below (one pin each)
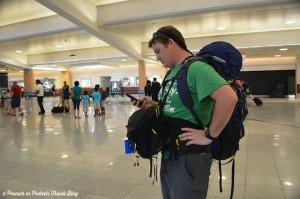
(158, 34)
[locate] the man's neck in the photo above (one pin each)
(181, 56)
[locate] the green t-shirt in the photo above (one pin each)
(203, 80)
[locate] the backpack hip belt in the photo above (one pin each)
(173, 129)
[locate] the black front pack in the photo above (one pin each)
(144, 132)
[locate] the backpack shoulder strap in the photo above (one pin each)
(183, 89)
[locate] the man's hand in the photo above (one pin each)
(144, 102)
(194, 136)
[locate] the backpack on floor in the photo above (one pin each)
(227, 61)
(58, 109)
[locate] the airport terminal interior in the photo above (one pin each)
(106, 42)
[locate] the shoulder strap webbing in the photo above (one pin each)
(183, 89)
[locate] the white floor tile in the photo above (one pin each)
(60, 153)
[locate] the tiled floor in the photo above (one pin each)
(52, 155)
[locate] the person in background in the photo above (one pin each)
(96, 100)
(155, 89)
(15, 93)
(147, 88)
(186, 175)
(7, 102)
(53, 89)
(39, 91)
(66, 97)
(86, 103)
(20, 108)
(77, 98)
(102, 100)
(1, 98)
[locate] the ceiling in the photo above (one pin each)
(115, 32)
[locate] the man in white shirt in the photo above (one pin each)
(39, 91)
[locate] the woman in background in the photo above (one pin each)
(77, 98)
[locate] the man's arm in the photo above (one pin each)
(225, 100)
(36, 91)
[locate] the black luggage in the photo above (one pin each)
(58, 109)
(257, 101)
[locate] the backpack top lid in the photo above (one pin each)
(225, 55)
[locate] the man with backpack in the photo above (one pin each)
(185, 168)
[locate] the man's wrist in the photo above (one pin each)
(208, 135)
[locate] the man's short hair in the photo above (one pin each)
(76, 83)
(165, 33)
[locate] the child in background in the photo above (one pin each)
(96, 99)
(86, 103)
(7, 102)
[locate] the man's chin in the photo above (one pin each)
(164, 65)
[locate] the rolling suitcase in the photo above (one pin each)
(257, 101)
(58, 109)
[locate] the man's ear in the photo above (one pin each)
(171, 43)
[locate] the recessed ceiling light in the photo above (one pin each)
(274, 45)
(53, 65)
(65, 156)
(21, 71)
(288, 183)
(289, 22)
(295, 44)
(221, 28)
(277, 55)
(283, 49)
(18, 51)
(59, 46)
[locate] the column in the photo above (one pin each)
(142, 75)
(66, 76)
(29, 80)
